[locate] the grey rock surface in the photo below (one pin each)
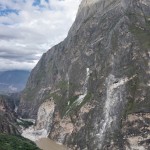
(8, 121)
(97, 77)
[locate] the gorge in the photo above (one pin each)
(92, 90)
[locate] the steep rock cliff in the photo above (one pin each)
(8, 123)
(97, 79)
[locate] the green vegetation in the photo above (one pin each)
(86, 99)
(66, 106)
(72, 100)
(56, 97)
(73, 105)
(29, 94)
(25, 123)
(131, 105)
(142, 35)
(63, 85)
(10, 142)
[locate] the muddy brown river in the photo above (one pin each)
(47, 144)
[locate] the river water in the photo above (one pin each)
(40, 138)
(47, 144)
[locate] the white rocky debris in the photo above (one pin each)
(42, 90)
(115, 88)
(29, 120)
(44, 120)
(33, 134)
(16, 108)
(81, 97)
(45, 115)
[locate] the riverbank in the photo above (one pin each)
(47, 144)
(41, 140)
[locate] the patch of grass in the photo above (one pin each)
(86, 99)
(63, 85)
(29, 94)
(131, 104)
(10, 142)
(73, 106)
(142, 35)
(72, 99)
(56, 97)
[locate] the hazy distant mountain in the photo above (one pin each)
(13, 81)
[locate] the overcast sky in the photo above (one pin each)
(28, 28)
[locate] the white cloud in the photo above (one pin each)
(8, 64)
(31, 32)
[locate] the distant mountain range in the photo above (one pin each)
(13, 81)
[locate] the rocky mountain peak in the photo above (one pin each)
(88, 9)
(85, 3)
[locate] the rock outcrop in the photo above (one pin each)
(8, 122)
(98, 78)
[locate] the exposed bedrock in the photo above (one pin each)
(97, 78)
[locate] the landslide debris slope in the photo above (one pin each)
(97, 79)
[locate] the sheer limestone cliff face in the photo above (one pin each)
(97, 77)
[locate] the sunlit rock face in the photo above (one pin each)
(45, 115)
(97, 77)
(43, 123)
